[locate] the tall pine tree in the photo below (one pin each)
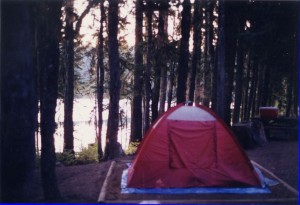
(111, 150)
(183, 64)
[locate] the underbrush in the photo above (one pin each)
(132, 148)
(85, 156)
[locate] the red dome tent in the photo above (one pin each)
(190, 146)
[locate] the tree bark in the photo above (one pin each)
(245, 115)
(136, 119)
(197, 37)
(214, 83)
(209, 54)
(232, 19)
(163, 41)
(69, 78)
(221, 63)
(100, 80)
(240, 57)
(296, 60)
(18, 110)
(171, 83)
(253, 95)
(238, 84)
(49, 53)
(156, 88)
(259, 86)
(158, 68)
(183, 64)
(148, 67)
(111, 151)
(295, 80)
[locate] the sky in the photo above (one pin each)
(90, 25)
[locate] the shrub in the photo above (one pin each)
(85, 156)
(132, 148)
(66, 158)
(88, 155)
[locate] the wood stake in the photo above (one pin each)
(101, 197)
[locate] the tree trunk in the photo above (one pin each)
(18, 110)
(70, 35)
(197, 23)
(295, 82)
(100, 80)
(111, 150)
(156, 88)
(232, 19)
(289, 95)
(136, 119)
(171, 83)
(198, 86)
(259, 86)
(238, 84)
(69, 78)
(183, 64)
(163, 40)
(266, 86)
(295, 66)
(209, 53)
(49, 53)
(252, 91)
(240, 56)
(221, 63)
(158, 67)
(163, 90)
(246, 91)
(214, 84)
(148, 67)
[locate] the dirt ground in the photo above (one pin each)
(82, 184)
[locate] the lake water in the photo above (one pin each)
(84, 113)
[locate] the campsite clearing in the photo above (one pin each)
(277, 157)
(82, 184)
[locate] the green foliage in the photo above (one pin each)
(132, 148)
(88, 155)
(66, 158)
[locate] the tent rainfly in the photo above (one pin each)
(190, 146)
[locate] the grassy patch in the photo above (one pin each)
(85, 156)
(132, 148)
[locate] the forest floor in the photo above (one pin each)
(82, 184)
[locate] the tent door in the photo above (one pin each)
(191, 144)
